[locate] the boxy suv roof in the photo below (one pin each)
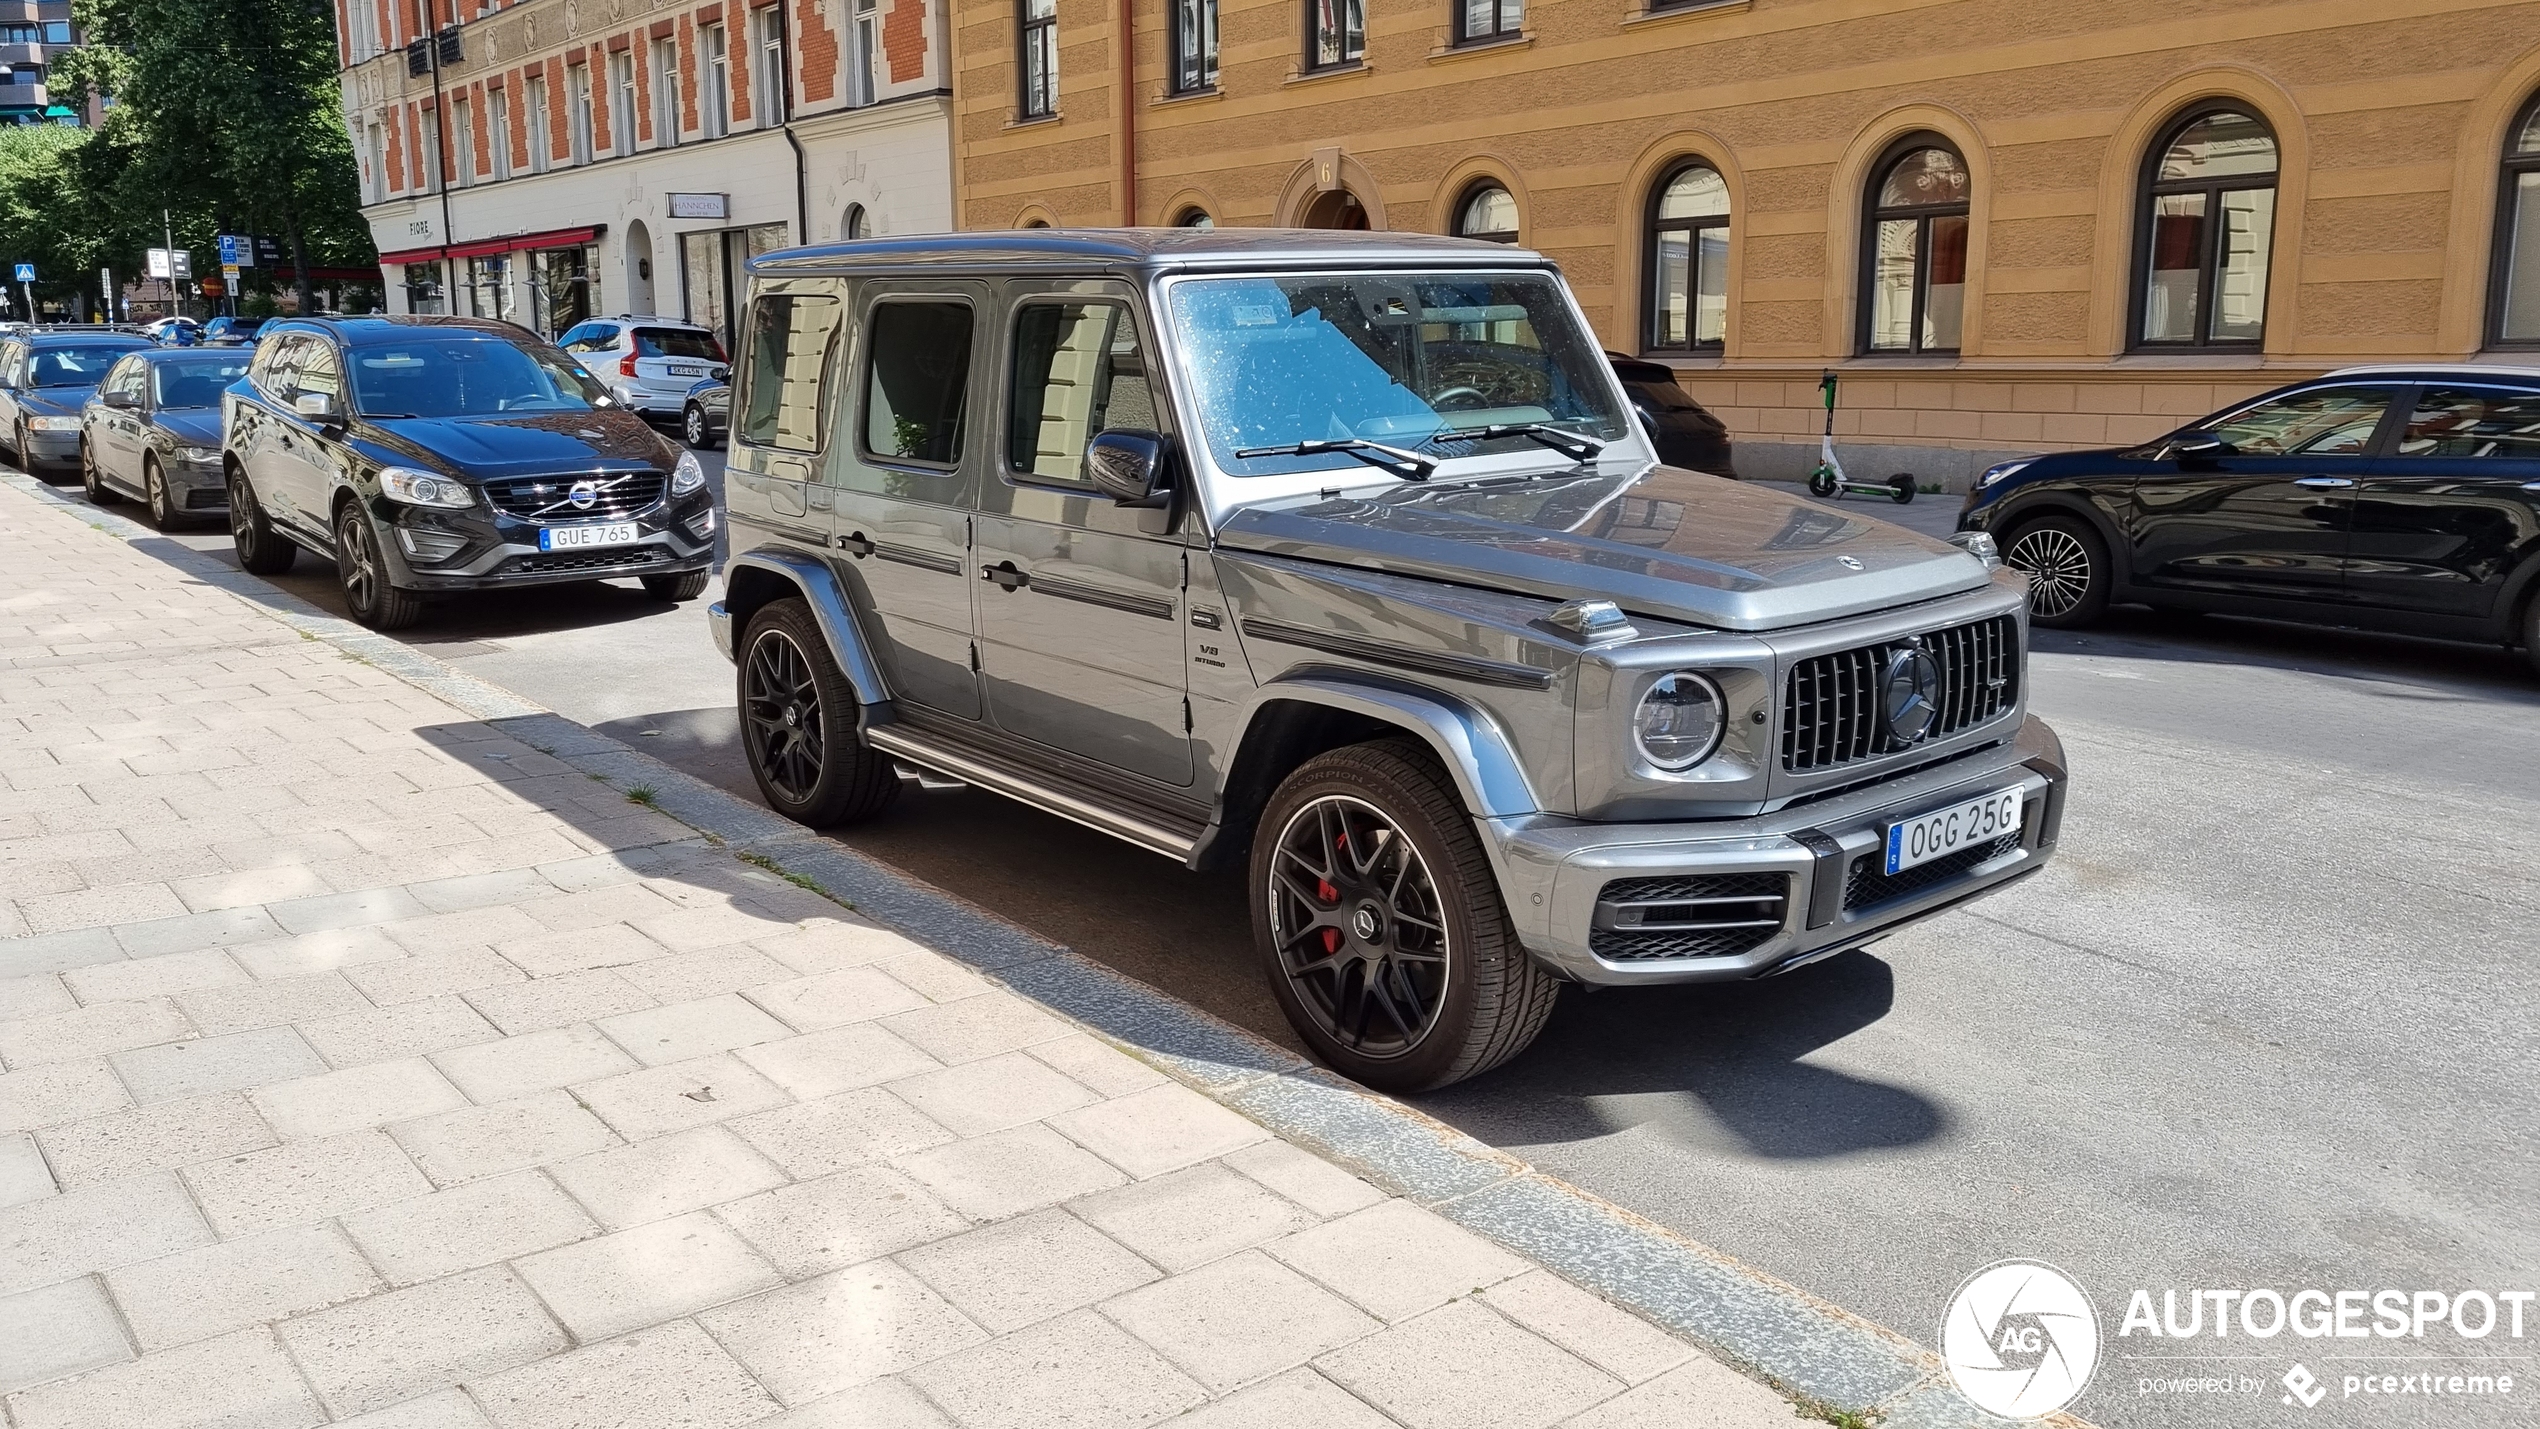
(648, 363)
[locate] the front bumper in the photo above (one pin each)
(52, 449)
(499, 551)
(1791, 875)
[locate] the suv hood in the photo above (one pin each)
(1665, 543)
(525, 444)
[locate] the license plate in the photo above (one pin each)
(1945, 831)
(575, 538)
(687, 372)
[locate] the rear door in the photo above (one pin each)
(2454, 509)
(788, 341)
(264, 421)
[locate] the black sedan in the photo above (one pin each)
(153, 431)
(426, 454)
(2404, 499)
(706, 413)
(1684, 432)
(46, 376)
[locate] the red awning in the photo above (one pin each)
(510, 243)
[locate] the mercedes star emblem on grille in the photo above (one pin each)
(1909, 696)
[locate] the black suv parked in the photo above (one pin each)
(439, 454)
(46, 376)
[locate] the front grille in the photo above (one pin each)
(1830, 704)
(550, 498)
(621, 558)
(1869, 883)
(207, 498)
(1716, 915)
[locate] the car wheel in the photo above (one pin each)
(25, 453)
(261, 549)
(92, 482)
(362, 569)
(1381, 927)
(2067, 567)
(692, 425)
(154, 482)
(687, 585)
(798, 724)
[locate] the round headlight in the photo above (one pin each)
(1680, 720)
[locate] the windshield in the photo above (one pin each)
(73, 366)
(1407, 360)
(467, 377)
(194, 384)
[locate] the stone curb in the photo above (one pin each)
(1828, 1358)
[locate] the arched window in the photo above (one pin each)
(1914, 254)
(1195, 218)
(1487, 213)
(2514, 290)
(857, 225)
(2205, 232)
(1689, 260)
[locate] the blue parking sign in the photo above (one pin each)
(26, 273)
(229, 246)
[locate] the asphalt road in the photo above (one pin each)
(2268, 1021)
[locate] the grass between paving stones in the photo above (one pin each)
(1812, 1407)
(643, 795)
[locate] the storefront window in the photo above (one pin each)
(426, 289)
(489, 287)
(569, 287)
(712, 267)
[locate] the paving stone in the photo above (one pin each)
(1463, 1365)
(690, 929)
(23, 1174)
(1191, 1217)
(558, 1001)
(935, 977)
(159, 1137)
(1028, 1269)
(468, 1227)
(91, 1031)
(304, 1181)
(992, 1094)
(1605, 1335)
(880, 1404)
(815, 1138)
(213, 892)
(412, 979)
(100, 907)
(574, 949)
(679, 1031)
(21, 954)
(33, 996)
(710, 973)
(1238, 1319)
(841, 1220)
(1699, 1394)
(1396, 1259)
(214, 1289)
(95, 1228)
(666, 1176)
(534, 1062)
(240, 1381)
(58, 1330)
(138, 978)
(367, 908)
(1302, 1177)
(309, 954)
(482, 890)
(977, 1027)
(1299, 1397)
(196, 930)
(390, 1034)
(842, 1059)
(830, 1334)
(477, 1142)
(1157, 1130)
(58, 1092)
(1106, 1069)
(1006, 1173)
(633, 1278)
(389, 1348)
(205, 1065)
(356, 1098)
(244, 1007)
(827, 947)
(1080, 1370)
(443, 1409)
(661, 1100)
(475, 928)
(666, 1377)
(837, 998)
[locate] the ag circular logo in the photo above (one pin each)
(2020, 1339)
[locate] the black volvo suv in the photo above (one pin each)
(428, 454)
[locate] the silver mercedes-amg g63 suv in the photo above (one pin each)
(1341, 554)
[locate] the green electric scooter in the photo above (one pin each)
(1829, 480)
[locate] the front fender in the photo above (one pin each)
(1476, 753)
(754, 578)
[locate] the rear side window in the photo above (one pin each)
(917, 380)
(2473, 422)
(676, 342)
(590, 337)
(788, 356)
(1078, 371)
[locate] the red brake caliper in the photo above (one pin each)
(1324, 890)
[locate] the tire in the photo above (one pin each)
(261, 549)
(1821, 482)
(687, 585)
(154, 485)
(26, 456)
(1902, 484)
(1415, 933)
(2531, 632)
(798, 724)
(694, 428)
(2067, 566)
(92, 482)
(361, 569)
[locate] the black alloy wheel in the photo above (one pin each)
(362, 570)
(154, 483)
(798, 724)
(692, 425)
(2067, 569)
(261, 549)
(1354, 915)
(92, 482)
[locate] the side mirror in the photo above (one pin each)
(119, 399)
(318, 407)
(2198, 449)
(1131, 467)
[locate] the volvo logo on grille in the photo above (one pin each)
(1909, 696)
(584, 496)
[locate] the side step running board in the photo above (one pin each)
(926, 778)
(961, 769)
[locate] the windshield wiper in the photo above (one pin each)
(1569, 444)
(1409, 465)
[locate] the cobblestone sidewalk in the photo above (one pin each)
(359, 1064)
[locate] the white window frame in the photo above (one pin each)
(665, 74)
(768, 55)
(498, 134)
(864, 85)
(578, 135)
(716, 111)
(622, 102)
(463, 149)
(539, 157)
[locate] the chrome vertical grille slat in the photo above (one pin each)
(1830, 702)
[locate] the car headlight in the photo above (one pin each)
(422, 488)
(687, 476)
(1998, 471)
(53, 424)
(1680, 720)
(198, 454)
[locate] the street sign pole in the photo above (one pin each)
(167, 232)
(106, 290)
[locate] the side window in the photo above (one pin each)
(2323, 421)
(318, 373)
(916, 381)
(2473, 422)
(275, 376)
(130, 377)
(1078, 370)
(783, 371)
(13, 365)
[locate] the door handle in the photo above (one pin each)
(2329, 483)
(1005, 575)
(856, 545)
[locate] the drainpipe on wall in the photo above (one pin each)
(802, 171)
(1128, 119)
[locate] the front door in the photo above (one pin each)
(114, 438)
(2269, 516)
(1079, 599)
(2454, 508)
(901, 482)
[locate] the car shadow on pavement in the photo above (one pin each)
(1719, 1067)
(2474, 672)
